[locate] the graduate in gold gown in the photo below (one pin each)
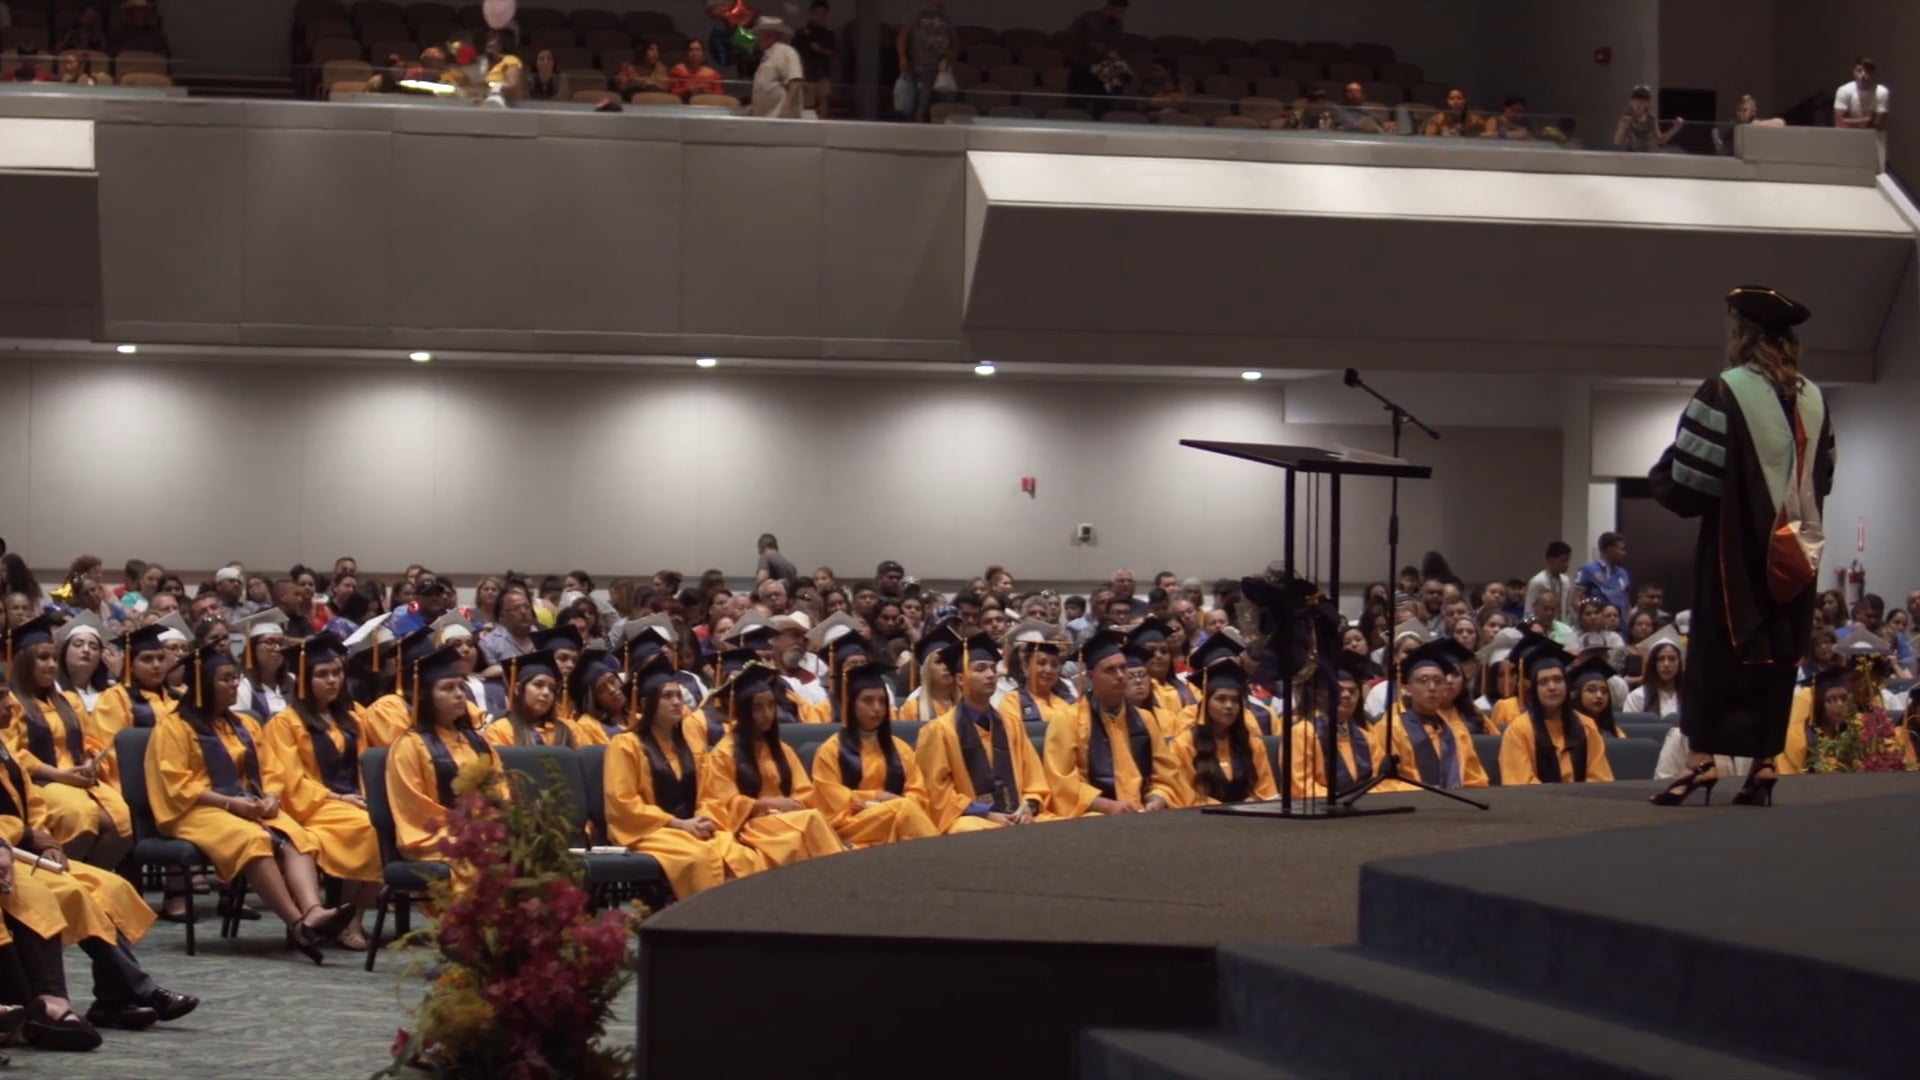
(653, 793)
(707, 725)
(214, 785)
(70, 903)
(980, 769)
(485, 697)
(1220, 646)
(1108, 756)
(428, 756)
(1591, 680)
(533, 699)
(936, 691)
(316, 740)
(1357, 745)
(1571, 749)
(1170, 695)
(1035, 651)
(865, 781)
(563, 641)
(1510, 707)
(754, 785)
(1843, 736)
(140, 698)
(389, 713)
(1425, 734)
(841, 644)
(54, 741)
(1221, 759)
(597, 685)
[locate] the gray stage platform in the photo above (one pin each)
(1169, 930)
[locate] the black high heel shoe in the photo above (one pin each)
(1758, 790)
(1683, 788)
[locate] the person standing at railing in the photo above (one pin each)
(777, 80)
(924, 44)
(1746, 112)
(1639, 131)
(817, 47)
(1863, 103)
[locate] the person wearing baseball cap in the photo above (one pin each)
(433, 596)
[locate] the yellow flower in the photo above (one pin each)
(455, 1015)
(477, 774)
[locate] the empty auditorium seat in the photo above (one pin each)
(326, 51)
(343, 91)
(1429, 93)
(966, 76)
(589, 19)
(1056, 80)
(1277, 89)
(375, 11)
(1276, 50)
(1324, 52)
(128, 63)
(1199, 66)
(603, 40)
(570, 56)
(1226, 48)
(1225, 86)
(1012, 112)
(1175, 45)
(1178, 119)
(1205, 107)
(1386, 93)
(331, 72)
(1633, 759)
(1078, 115)
(1404, 74)
(988, 55)
(1040, 57)
(378, 51)
(415, 14)
(1235, 122)
(715, 101)
(532, 18)
(1371, 54)
(552, 37)
(951, 110)
(656, 97)
(1249, 68)
(575, 80)
(1011, 77)
(646, 23)
(1124, 116)
(588, 97)
(1021, 38)
(612, 59)
(1347, 73)
(1262, 110)
(1300, 71)
(1488, 747)
(384, 31)
(324, 29)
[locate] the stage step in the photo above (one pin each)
(1111, 1054)
(1350, 1014)
(1717, 928)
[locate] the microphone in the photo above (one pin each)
(1353, 377)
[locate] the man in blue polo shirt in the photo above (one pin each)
(1605, 579)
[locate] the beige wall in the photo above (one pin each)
(630, 470)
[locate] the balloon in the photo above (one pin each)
(736, 13)
(745, 40)
(498, 13)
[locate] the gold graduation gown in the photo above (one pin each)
(1517, 744)
(949, 782)
(85, 902)
(1174, 699)
(177, 775)
(1505, 712)
(1792, 759)
(637, 822)
(1046, 708)
(348, 847)
(500, 733)
(1069, 741)
(383, 722)
(71, 811)
(115, 712)
(838, 797)
(413, 790)
(1309, 757)
(1263, 785)
(785, 837)
(821, 712)
(1472, 773)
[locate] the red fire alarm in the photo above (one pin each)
(1603, 55)
(1028, 485)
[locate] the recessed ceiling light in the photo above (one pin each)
(419, 357)
(983, 369)
(706, 361)
(1251, 376)
(127, 350)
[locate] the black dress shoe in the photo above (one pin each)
(170, 1005)
(125, 1015)
(67, 1032)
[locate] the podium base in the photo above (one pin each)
(1319, 811)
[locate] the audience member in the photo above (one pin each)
(1093, 39)
(1511, 123)
(694, 75)
(1863, 102)
(1605, 578)
(925, 44)
(1554, 579)
(1639, 131)
(777, 80)
(1355, 114)
(543, 82)
(1747, 111)
(1456, 118)
(85, 33)
(817, 47)
(77, 69)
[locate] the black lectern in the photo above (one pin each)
(1333, 464)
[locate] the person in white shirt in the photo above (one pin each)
(1659, 689)
(1554, 579)
(777, 81)
(1862, 103)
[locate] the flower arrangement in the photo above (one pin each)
(1870, 742)
(523, 976)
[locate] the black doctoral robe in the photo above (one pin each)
(1724, 467)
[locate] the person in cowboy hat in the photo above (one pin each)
(777, 81)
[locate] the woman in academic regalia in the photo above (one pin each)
(214, 785)
(1036, 651)
(80, 647)
(1753, 460)
(426, 759)
(265, 683)
(1839, 734)
(1357, 745)
(754, 786)
(533, 698)
(1550, 742)
(56, 744)
(87, 906)
(1591, 692)
(1222, 760)
(653, 793)
(596, 684)
(865, 780)
(316, 740)
(935, 689)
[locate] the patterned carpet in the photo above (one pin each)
(264, 1012)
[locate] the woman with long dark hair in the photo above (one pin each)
(317, 741)
(605, 714)
(265, 681)
(533, 697)
(1663, 671)
(56, 744)
(19, 579)
(1222, 759)
(1356, 742)
(426, 759)
(865, 781)
(754, 786)
(653, 793)
(1592, 693)
(213, 784)
(80, 648)
(1550, 742)
(140, 698)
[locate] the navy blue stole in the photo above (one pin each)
(1355, 737)
(716, 726)
(1100, 771)
(142, 712)
(40, 733)
(995, 782)
(14, 798)
(1436, 756)
(221, 773)
(339, 769)
(1029, 709)
(444, 767)
(853, 767)
(677, 795)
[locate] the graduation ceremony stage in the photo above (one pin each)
(1571, 931)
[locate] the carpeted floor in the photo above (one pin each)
(264, 1013)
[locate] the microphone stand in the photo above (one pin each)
(1390, 761)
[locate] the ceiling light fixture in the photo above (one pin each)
(706, 362)
(127, 350)
(420, 357)
(983, 369)
(1252, 376)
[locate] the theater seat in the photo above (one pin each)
(151, 849)
(613, 878)
(908, 730)
(403, 882)
(1488, 747)
(1633, 759)
(1646, 731)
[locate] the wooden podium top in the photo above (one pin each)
(1333, 461)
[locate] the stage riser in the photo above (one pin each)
(1174, 1055)
(1353, 1015)
(1733, 996)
